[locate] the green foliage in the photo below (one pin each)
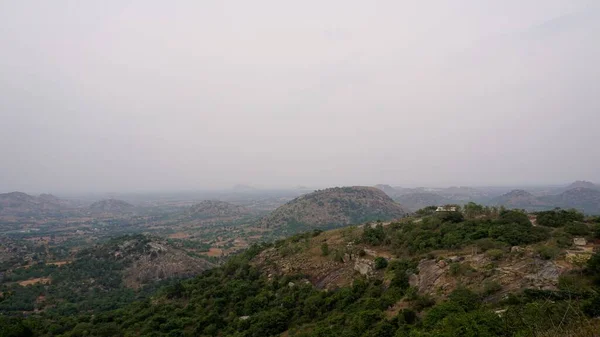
(577, 228)
(495, 254)
(324, 249)
(558, 217)
(510, 228)
(490, 287)
(429, 210)
(381, 262)
(374, 236)
(547, 252)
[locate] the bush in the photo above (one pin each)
(324, 249)
(491, 287)
(381, 262)
(547, 252)
(495, 254)
(558, 217)
(577, 228)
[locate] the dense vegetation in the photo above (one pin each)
(237, 299)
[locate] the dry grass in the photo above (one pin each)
(58, 263)
(43, 280)
(214, 252)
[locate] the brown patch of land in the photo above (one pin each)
(179, 235)
(214, 252)
(43, 280)
(58, 263)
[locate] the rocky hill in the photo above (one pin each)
(19, 203)
(520, 199)
(216, 209)
(334, 207)
(581, 198)
(147, 259)
(111, 206)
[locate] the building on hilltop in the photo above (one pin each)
(446, 209)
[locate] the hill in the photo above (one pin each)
(417, 200)
(438, 275)
(111, 206)
(334, 207)
(98, 278)
(216, 209)
(520, 199)
(581, 198)
(19, 203)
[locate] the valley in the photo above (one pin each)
(88, 258)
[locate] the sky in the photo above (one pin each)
(118, 96)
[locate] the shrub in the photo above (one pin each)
(577, 228)
(495, 254)
(324, 249)
(491, 287)
(558, 217)
(547, 252)
(380, 262)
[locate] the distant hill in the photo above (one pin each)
(576, 184)
(581, 198)
(334, 207)
(389, 190)
(216, 209)
(520, 199)
(111, 206)
(417, 200)
(19, 203)
(463, 194)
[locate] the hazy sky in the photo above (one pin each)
(150, 95)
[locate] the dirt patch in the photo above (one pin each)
(59, 263)
(43, 280)
(214, 252)
(179, 235)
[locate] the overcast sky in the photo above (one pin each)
(167, 95)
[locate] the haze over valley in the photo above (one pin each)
(299, 169)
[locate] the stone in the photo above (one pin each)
(579, 241)
(363, 266)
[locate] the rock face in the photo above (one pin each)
(429, 273)
(364, 266)
(147, 259)
(334, 207)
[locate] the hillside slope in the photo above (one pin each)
(334, 207)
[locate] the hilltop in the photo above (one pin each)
(519, 199)
(215, 208)
(334, 207)
(19, 203)
(98, 278)
(581, 198)
(111, 206)
(147, 259)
